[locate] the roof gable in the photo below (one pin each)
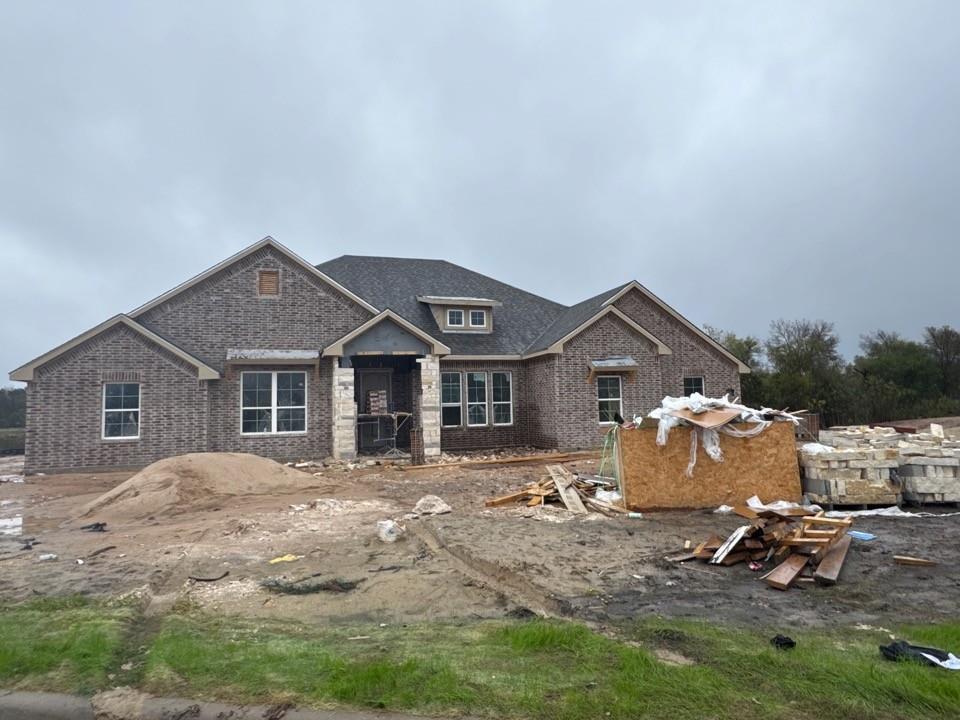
(25, 373)
(265, 242)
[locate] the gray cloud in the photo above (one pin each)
(745, 161)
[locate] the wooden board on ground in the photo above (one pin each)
(520, 459)
(563, 480)
(784, 574)
(829, 568)
(654, 477)
(907, 560)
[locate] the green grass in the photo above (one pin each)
(65, 645)
(517, 669)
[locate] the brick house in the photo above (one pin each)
(266, 353)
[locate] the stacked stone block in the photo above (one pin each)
(430, 404)
(864, 476)
(344, 414)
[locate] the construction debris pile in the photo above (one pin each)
(575, 492)
(805, 545)
(879, 466)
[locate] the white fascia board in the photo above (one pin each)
(267, 241)
(25, 373)
(335, 349)
(634, 285)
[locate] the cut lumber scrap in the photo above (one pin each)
(508, 499)
(745, 511)
(735, 557)
(907, 560)
(538, 458)
(731, 542)
(682, 557)
(829, 569)
(790, 541)
(563, 480)
(784, 574)
(827, 521)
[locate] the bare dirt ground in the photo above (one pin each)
(474, 562)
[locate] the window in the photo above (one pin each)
(121, 410)
(478, 318)
(609, 397)
(502, 383)
(476, 398)
(268, 282)
(273, 402)
(455, 318)
(693, 385)
(451, 405)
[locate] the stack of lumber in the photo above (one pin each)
(801, 545)
(560, 486)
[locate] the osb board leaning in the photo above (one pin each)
(654, 478)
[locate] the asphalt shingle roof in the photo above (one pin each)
(524, 322)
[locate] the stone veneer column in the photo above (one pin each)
(430, 404)
(344, 413)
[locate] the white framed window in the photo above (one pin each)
(476, 399)
(451, 400)
(273, 402)
(455, 318)
(609, 398)
(121, 411)
(502, 383)
(693, 384)
(478, 318)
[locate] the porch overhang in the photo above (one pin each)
(435, 347)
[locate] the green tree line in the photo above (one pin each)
(799, 367)
(13, 410)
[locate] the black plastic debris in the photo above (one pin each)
(901, 650)
(782, 642)
(95, 527)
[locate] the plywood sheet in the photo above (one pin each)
(654, 477)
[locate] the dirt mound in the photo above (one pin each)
(194, 482)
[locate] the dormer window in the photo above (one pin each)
(478, 318)
(455, 318)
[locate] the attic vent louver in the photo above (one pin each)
(268, 282)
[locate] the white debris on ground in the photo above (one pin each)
(431, 505)
(389, 531)
(11, 526)
(11, 469)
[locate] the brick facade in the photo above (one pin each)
(554, 401)
(692, 355)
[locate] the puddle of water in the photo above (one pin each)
(11, 526)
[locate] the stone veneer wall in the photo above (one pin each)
(344, 426)
(429, 404)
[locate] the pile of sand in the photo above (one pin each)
(195, 482)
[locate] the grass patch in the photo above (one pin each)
(551, 670)
(513, 669)
(64, 644)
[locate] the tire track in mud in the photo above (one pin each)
(512, 585)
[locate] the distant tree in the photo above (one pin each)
(749, 350)
(897, 377)
(13, 411)
(944, 344)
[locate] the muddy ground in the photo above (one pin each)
(472, 563)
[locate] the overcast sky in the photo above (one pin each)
(745, 161)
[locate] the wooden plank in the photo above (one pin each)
(735, 557)
(785, 573)
(907, 560)
(538, 458)
(507, 499)
(735, 537)
(806, 541)
(829, 568)
(827, 521)
(563, 480)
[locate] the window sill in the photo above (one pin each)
(119, 439)
(273, 434)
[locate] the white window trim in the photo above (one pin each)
(486, 399)
(273, 404)
(619, 398)
(453, 324)
(458, 404)
(494, 403)
(103, 413)
(478, 325)
(703, 382)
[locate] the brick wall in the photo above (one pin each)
(692, 355)
(64, 406)
(540, 391)
(490, 435)
(224, 311)
(224, 427)
(577, 410)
